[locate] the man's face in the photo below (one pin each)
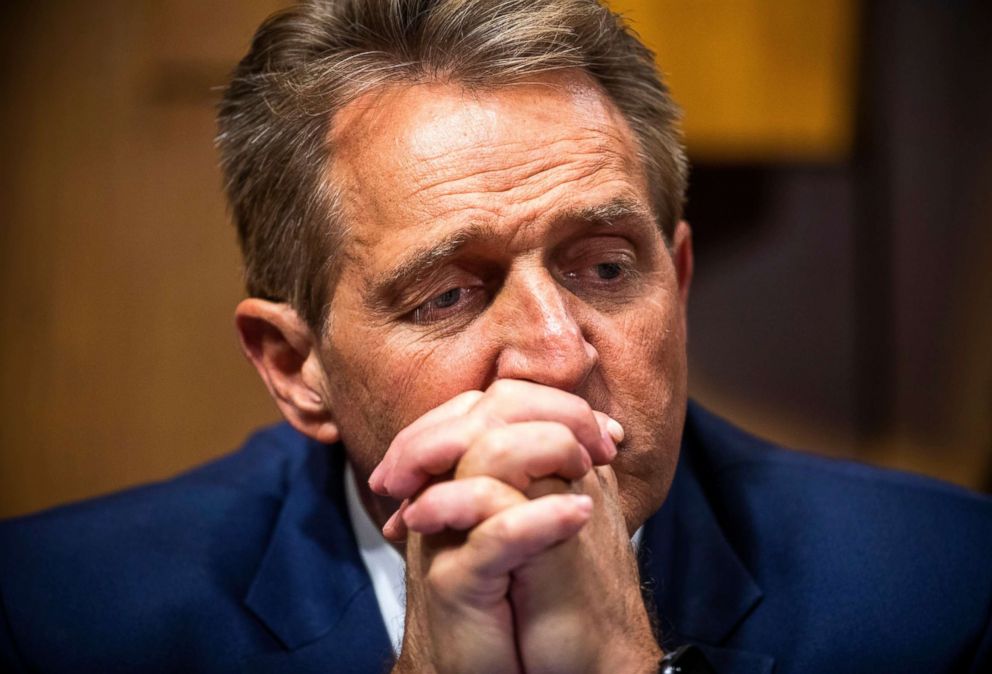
(503, 234)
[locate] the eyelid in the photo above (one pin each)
(619, 250)
(417, 298)
(596, 245)
(468, 296)
(578, 267)
(431, 285)
(627, 266)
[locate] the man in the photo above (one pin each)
(467, 279)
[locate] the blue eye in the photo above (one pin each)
(447, 299)
(451, 303)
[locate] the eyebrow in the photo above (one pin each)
(607, 214)
(383, 289)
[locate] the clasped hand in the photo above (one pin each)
(518, 557)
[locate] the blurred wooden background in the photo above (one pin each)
(760, 80)
(120, 270)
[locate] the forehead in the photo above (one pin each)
(414, 161)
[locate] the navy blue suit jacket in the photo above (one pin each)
(772, 561)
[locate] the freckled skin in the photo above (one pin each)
(419, 162)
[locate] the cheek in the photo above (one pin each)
(645, 373)
(645, 355)
(418, 375)
(380, 383)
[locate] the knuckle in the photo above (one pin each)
(496, 444)
(503, 530)
(582, 409)
(430, 499)
(480, 421)
(469, 397)
(439, 576)
(401, 437)
(483, 489)
(412, 457)
(560, 435)
(491, 495)
(503, 387)
(560, 445)
(409, 435)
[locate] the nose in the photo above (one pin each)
(541, 339)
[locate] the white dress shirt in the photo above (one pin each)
(384, 563)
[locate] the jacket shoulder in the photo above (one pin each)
(841, 548)
(192, 502)
(755, 470)
(105, 571)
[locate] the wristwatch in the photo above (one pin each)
(685, 660)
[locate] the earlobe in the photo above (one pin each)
(682, 257)
(283, 350)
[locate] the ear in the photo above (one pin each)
(682, 259)
(283, 349)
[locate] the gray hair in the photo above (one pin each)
(307, 62)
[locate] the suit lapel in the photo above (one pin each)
(700, 587)
(311, 589)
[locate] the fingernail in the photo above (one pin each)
(391, 521)
(375, 480)
(615, 430)
(396, 532)
(611, 447)
(582, 502)
(390, 526)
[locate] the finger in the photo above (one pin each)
(610, 426)
(520, 453)
(414, 457)
(433, 451)
(513, 401)
(516, 454)
(553, 485)
(457, 406)
(395, 528)
(513, 536)
(459, 504)
(532, 477)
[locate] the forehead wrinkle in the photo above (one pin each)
(461, 188)
(496, 148)
(509, 177)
